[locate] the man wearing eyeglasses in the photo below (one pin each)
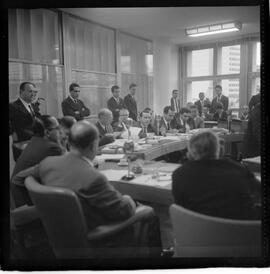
(73, 106)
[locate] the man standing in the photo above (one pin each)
(131, 103)
(175, 102)
(202, 102)
(73, 106)
(21, 116)
(115, 103)
(220, 98)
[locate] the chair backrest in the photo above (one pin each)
(199, 235)
(62, 216)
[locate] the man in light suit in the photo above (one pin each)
(175, 102)
(131, 103)
(21, 116)
(115, 103)
(73, 106)
(202, 102)
(220, 98)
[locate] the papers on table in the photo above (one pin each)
(113, 174)
(109, 157)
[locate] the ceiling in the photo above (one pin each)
(170, 23)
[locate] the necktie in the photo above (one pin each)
(75, 101)
(31, 110)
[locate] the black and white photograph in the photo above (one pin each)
(136, 134)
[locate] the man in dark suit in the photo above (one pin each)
(21, 116)
(186, 123)
(254, 100)
(131, 103)
(220, 114)
(175, 102)
(202, 102)
(220, 98)
(45, 142)
(73, 106)
(213, 186)
(115, 103)
(145, 124)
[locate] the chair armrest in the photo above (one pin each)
(24, 215)
(142, 214)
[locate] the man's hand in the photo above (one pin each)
(129, 200)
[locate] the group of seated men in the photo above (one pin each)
(61, 153)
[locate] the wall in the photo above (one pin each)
(166, 72)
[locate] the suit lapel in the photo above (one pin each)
(22, 108)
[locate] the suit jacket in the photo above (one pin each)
(20, 120)
(162, 124)
(101, 203)
(252, 136)
(198, 122)
(37, 150)
(255, 99)
(150, 129)
(216, 187)
(199, 105)
(223, 99)
(223, 116)
(173, 106)
(104, 140)
(69, 107)
(182, 127)
(131, 105)
(114, 107)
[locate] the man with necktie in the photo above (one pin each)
(115, 103)
(175, 102)
(220, 98)
(21, 116)
(202, 102)
(73, 106)
(131, 103)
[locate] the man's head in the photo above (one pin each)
(145, 117)
(28, 92)
(175, 93)
(168, 113)
(203, 145)
(123, 115)
(184, 114)
(201, 96)
(218, 89)
(105, 116)
(132, 89)
(219, 107)
(48, 127)
(193, 111)
(205, 110)
(66, 123)
(115, 91)
(84, 138)
(74, 90)
(189, 104)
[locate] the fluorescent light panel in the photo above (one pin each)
(214, 29)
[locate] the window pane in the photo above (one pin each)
(255, 85)
(229, 60)
(230, 88)
(256, 57)
(195, 87)
(200, 62)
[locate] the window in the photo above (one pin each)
(225, 56)
(256, 57)
(230, 88)
(195, 87)
(200, 62)
(255, 85)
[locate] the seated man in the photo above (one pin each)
(206, 115)
(104, 127)
(186, 123)
(202, 102)
(213, 186)
(65, 123)
(145, 124)
(124, 124)
(45, 142)
(198, 121)
(220, 114)
(101, 203)
(167, 123)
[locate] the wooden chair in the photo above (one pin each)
(62, 216)
(198, 235)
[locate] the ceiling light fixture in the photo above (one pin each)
(214, 29)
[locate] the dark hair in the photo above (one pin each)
(193, 106)
(22, 85)
(67, 121)
(73, 85)
(132, 85)
(41, 124)
(184, 110)
(218, 86)
(146, 110)
(219, 105)
(166, 109)
(174, 90)
(82, 135)
(114, 87)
